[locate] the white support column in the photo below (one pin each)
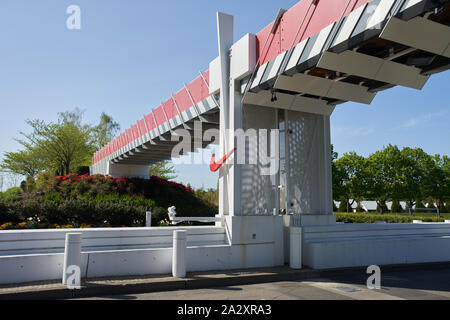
(295, 254)
(325, 192)
(225, 41)
(148, 219)
(179, 254)
(72, 253)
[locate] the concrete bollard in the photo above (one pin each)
(72, 253)
(148, 219)
(179, 254)
(295, 254)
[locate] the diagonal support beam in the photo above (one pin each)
(374, 68)
(419, 33)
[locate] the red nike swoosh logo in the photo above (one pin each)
(214, 166)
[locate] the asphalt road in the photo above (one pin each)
(432, 284)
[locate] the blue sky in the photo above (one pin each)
(130, 55)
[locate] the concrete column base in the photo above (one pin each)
(300, 221)
(254, 231)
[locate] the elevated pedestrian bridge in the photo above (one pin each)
(313, 57)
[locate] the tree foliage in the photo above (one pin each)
(59, 147)
(352, 177)
(163, 170)
(24, 162)
(395, 175)
(105, 131)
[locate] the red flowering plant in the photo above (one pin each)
(75, 199)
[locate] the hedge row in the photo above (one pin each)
(389, 218)
(75, 212)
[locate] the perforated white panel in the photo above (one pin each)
(303, 162)
(257, 191)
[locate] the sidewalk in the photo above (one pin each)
(47, 290)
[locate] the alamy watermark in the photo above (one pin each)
(253, 147)
(374, 280)
(73, 280)
(73, 22)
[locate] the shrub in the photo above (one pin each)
(73, 211)
(52, 197)
(83, 170)
(343, 205)
(159, 215)
(12, 194)
(6, 214)
(30, 184)
(92, 200)
(396, 207)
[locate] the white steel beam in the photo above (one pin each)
(419, 33)
(289, 102)
(322, 87)
(370, 67)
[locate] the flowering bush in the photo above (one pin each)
(99, 201)
(32, 214)
(28, 225)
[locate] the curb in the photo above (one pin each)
(199, 281)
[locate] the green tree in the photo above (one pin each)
(26, 162)
(352, 173)
(59, 147)
(64, 146)
(386, 176)
(338, 177)
(105, 131)
(163, 170)
(416, 162)
(211, 195)
(437, 186)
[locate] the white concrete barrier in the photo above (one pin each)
(21, 242)
(179, 254)
(35, 255)
(295, 256)
(355, 245)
